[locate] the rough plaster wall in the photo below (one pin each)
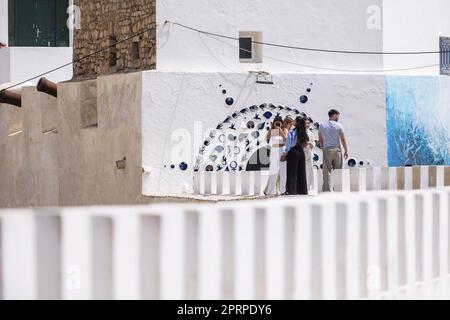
(87, 157)
(73, 166)
(29, 174)
(336, 24)
(174, 101)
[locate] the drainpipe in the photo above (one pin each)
(48, 87)
(10, 97)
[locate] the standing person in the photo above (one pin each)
(287, 126)
(309, 156)
(276, 138)
(294, 152)
(331, 134)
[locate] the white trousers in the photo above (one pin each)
(277, 171)
(310, 174)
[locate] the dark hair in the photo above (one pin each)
(333, 112)
(277, 119)
(302, 136)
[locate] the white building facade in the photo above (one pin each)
(356, 25)
(38, 39)
(225, 69)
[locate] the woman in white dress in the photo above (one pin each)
(309, 156)
(288, 124)
(276, 141)
(277, 169)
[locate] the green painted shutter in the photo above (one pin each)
(39, 23)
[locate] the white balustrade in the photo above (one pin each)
(346, 180)
(370, 245)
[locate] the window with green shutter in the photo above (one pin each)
(38, 23)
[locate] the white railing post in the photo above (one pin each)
(316, 189)
(210, 255)
(233, 182)
(328, 215)
(245, 183)
(376, 179)
(220, 181)
(384, 178)
(126, 276)
(173, 239)
(443, 242)
(336, 180)
(208, 183)
(48, 256)
(393, 184)
(408, 178)
(373, 247)
(424, 177)
(150, 256)
(440, 176)
(354, 180)
(102, 244)
(410, 243)
(392, 245)
(427, 243)
(345, 180)
(244, 282)
(303, 253)
(76, 254)
(319, 180)
(226, 183)
(362, 179)
(275, 252)
(352, 251)
(19, 256)
(197, 183)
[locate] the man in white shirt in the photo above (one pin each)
(331, 134)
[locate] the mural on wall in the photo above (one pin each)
(239, 142)
(418, 120)
(215, 122)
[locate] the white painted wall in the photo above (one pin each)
(414, 25)
(178, 100)
(27, 62)
(4, 21)
(337, 24)
(5, 74)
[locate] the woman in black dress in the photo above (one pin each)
(296, 163)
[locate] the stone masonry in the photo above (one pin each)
(105, 22)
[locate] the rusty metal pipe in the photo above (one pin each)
(10, 97)
(48, 87)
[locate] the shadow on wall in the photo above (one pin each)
(418, 120)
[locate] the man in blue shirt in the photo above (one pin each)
(331, 134)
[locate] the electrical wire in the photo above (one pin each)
(312, 49)
(328, 68)
(78, 60)
(256, 42)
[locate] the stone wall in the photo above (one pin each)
(64, 151)
(105, 22)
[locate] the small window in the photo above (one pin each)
(245, 48)
(135, 51)
(88, 110)
(112, 51)
(250, 49)
(445, 55)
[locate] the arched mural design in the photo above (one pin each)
(239, 138)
